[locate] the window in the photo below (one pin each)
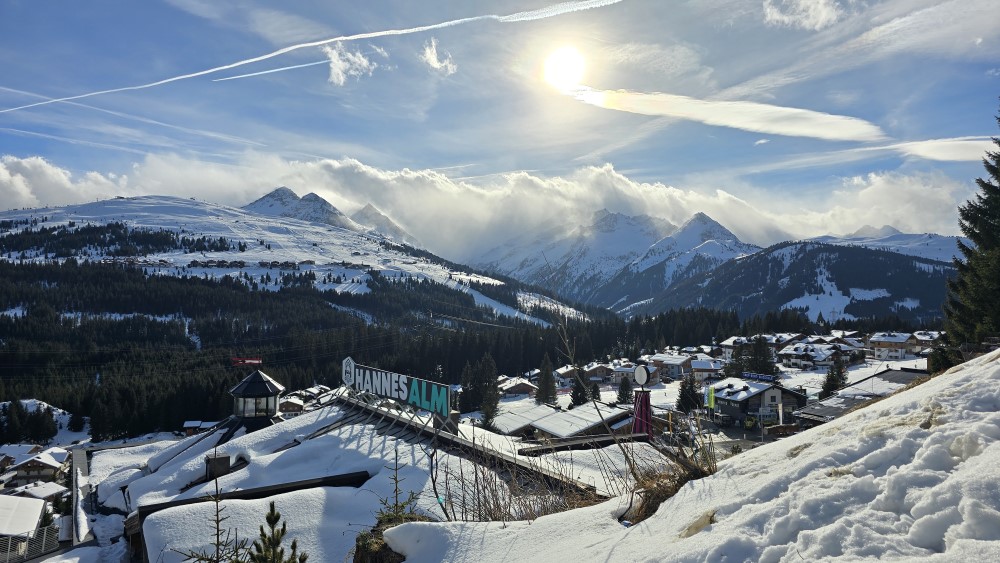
(774, 398)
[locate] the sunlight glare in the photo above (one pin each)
(564, 68)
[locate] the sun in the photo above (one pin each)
(564, 68)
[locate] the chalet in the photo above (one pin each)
(855, 395)
(621, 370)
(47, 465)
(511, 386)
(808, 356)
(926, 340)
(291, 406)
(671, 366)
(706, 369)
(22, 517)
(596, 372)
(731, 345)
(891, 345)
(761, 400)
(565, 375)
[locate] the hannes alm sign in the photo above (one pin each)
(423, 394)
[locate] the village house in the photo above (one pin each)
(891, 345)
(765, 401)
(582, 420)
(291, 406)
(670, 366)
(511, 386)
(925, 341)
(47, 491)
(47, 465)
(706, 369)
(808, 356)
(597, 372)
(565, 375)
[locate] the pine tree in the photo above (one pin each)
(578, 395)
(625, 390)
(760, 359)
(546, 393)
(972, 309)
(689, 397)
(836, 378)
(268, 548)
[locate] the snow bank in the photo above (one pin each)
(911, 476)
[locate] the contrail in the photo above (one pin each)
(281, 69)
(748, 116)
(541, 13)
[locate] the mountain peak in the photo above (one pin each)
(373, 219)
(704, 228)
(869, 231)
(283, 202)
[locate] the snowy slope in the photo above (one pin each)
(64, 437)
(924, 245)
(573, 261)
(911, 477)
(299, 245)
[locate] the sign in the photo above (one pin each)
(421, 393)
(247, 361)
(641, 375)
(760, 377)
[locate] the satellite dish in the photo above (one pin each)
(641, 375)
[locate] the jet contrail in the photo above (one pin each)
(281, 69)
(541, 13)
(748, 116)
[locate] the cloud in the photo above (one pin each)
(759, 142)
(460, 219)
(748, 116)
(34, 182)
(803, 14)
(430, 56)
(346, 64)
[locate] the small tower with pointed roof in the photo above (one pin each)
(256, 396)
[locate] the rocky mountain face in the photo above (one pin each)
(283, 202)
(837, 282)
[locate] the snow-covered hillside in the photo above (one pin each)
(574, 261)
(924, 245)
(283, 202)
(372, 219)
(267, 244)
(64, 437)
(911, 477)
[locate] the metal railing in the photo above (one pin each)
(14, 549)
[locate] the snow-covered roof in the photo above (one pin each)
(891, 337)
(19, 516)
(927, 336)
(39, 489)
(816, 352)
(257, 384)
(293, 400)
(516, 415)
(734, 341)
(706, 365)
(52, 457)
(878, 385)
(564, 370)
(580, 419)
(511, 382)
(670, 359)
(736, 389)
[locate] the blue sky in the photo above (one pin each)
(776, 117)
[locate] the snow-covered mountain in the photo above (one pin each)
(577, 261)
(257, 242)
(924, 245)
(374, 220)
(839, 282)
(698, 246)
(283, 202)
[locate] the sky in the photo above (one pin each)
(472, 122)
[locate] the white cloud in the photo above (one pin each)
(282, 28)
(748, 116)
(460, 219)
(759, 142)
(34, 182)
(803, 14)
(430, 56)
(346, 64)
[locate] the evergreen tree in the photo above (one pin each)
(76, 422)
(972, 309)
(268, 548)
(490, 406)
(760, 359)
(471, 397)
(595, 391)
(546, 393)
(625, 394)
(690, 394)
(836, 378)
(578, 395)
